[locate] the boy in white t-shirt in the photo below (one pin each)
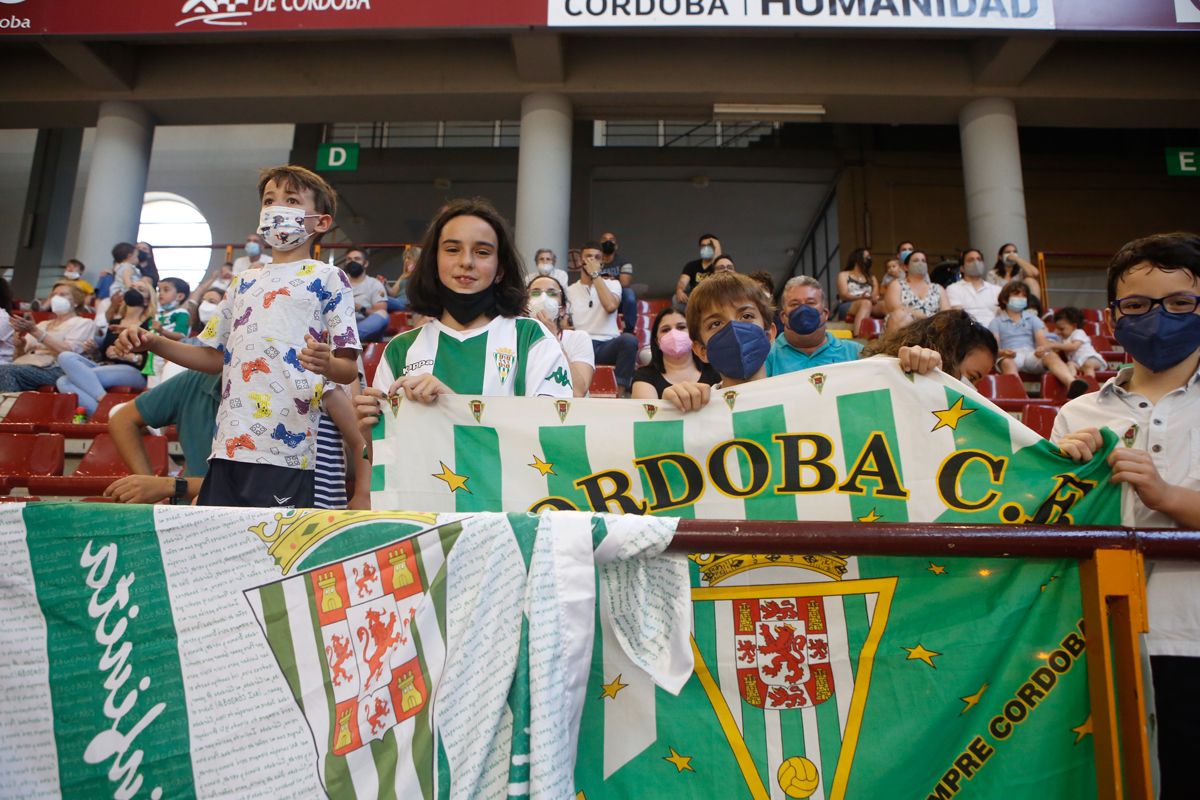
(280, 334)
(1076, 346)
(1154, 405)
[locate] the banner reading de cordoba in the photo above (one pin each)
(858, 441)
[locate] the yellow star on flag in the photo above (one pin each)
(936, 569)
(972, 699)
(681, 762)
(543, 467)
(454, 481)
(611, 689)
(952, 415)
(872, 517)
(1083, 729)
(919, 653)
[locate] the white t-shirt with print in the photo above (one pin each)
(270, 405)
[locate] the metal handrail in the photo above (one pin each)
(810, 232)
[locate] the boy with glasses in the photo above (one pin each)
(1154, 405)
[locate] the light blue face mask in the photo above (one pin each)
(1018, 304)
(738, 350)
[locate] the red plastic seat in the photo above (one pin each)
(34, 412)
(1007, 391)
(397, 323)
(871, 328)
(372, 355)
(99, 421)
(1093, 328)
(654, 306)
(101, 465)
(1040, 418)
(604, 382)
(23, 455)
(1055, 392)
(1093, 314)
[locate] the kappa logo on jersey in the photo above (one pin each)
(560, 376)
(505, 358)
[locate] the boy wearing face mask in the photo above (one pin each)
(695, 272)
(254, 257)
(1154, 405)
(805, 342)
(173, 320)
(546, 263)
(370, 298)
(729, 320)
(974, 293)
(73, 271)
(281, 333)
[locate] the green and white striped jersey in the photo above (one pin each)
(508, 356)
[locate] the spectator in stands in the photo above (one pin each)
(904, 250)
(254, 257)
(858, 290)
(125, 271)
(223, 277)
(188, 401)
(35, 347)
(1153, 289)
(6, 330)
(895, 269)
(594, 301)
(723, 263)
(974, 294)
(206, 308)
(548, 305)
(672, 359)
(546, 263)
(146, 263)
(1010, 266)
(913, 296)
(73, 271)
(1022, 337)
(949, 340)
(470, 282)
(90, 378)
(694, 272)
(370, 298)
(613, 264)
(397, 294)
(805, 342)
(1074, 344)
(301, 310)
(764, 279)
(173, 320)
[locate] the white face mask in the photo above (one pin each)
(61, 305)
(974, 269)
(545, 304)
(918, 268)
(282, 227)
(206, 311)
(71, 275)
(545, 267)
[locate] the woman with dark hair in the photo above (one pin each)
(913, 296)
(672, 359)
(1011, 267)
(857, 288)
(963, 347)
(89, 378)
(468, 280)
(145, 257)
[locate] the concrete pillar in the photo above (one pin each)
(544, 177)
(47, 210)
(991, 154)
(112, 203)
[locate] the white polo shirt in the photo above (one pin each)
(981, 303)
(1170, 431)
(588, 314)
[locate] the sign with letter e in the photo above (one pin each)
(332, 157)
(1183, 161)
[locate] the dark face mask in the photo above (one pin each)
(134, 299)
(355, 269)
(804, 319)
(608, 248)
(143, 256)
(866, 264)
(1159, 340)
(466, 308)
(738, 350)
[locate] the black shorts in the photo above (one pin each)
(233, 483)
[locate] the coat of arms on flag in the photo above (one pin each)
(790, 679)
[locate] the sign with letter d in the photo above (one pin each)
(333, 157)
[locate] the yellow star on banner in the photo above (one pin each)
(952, 415)
(872, 517)
(1083, 729)
(972, 699)
(919, 653)
(611, 689)
(543, 467)
(580, 796)
(681, 762)
(455, 482)
(936, 569)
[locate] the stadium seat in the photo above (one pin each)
(99, 420)
(372, 354)
(1055, 392)
(655, 306)
(1093, 328)
(604, 382)
(1093, 314)
(23, 455)
(871, 328)
(101, 465)
(1007, 391)
(1040, 418)
(34, 412)
(397, 323)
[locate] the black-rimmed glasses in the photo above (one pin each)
(1137, 305)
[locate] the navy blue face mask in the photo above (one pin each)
(804, 319)
(738, 350)
(1159, 340)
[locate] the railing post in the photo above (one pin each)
(1113, 583)
(1043, 280)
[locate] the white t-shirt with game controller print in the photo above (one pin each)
(270, 404)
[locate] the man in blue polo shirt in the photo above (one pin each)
(805, 343)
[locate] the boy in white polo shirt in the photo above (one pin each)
(1154, 405)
